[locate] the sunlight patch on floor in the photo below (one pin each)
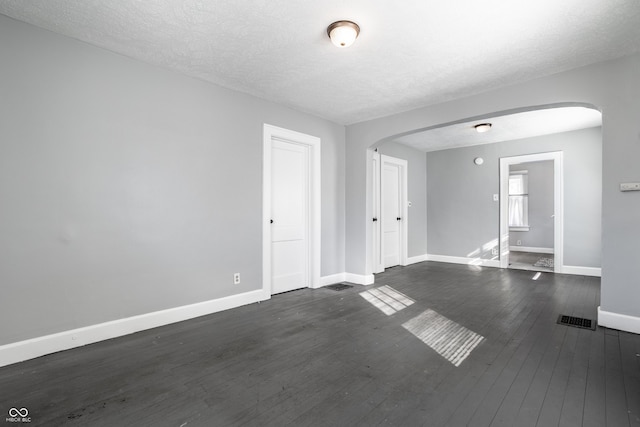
(452, 341)
(387, 299)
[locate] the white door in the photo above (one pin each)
(289, 216)
(391, 213)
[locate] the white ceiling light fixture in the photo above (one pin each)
(343, 33)
(483, 127)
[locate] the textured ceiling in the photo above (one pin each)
(409, 54)
(507, 127)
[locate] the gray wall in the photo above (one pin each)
(612, 86)
(540, 195)
(417, 193)
(463, 218)
(126, 189)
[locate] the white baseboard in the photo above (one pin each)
(360, 279)
(464, 260)
(531, 249)
(332, 279)
(417, 259)
(581, 271)
(621, 322)
(566, 269)
(36, 347)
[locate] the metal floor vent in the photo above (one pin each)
(577, 322)
(339, 287)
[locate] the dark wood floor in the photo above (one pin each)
(329, 358)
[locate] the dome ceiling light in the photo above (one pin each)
(343, 33)
(483, 127)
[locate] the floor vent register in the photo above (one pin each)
(577, 322)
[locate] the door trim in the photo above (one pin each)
(270, 133)
(377, 261)
(404, 212)
(558, 204)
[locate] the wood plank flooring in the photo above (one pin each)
(332, 358)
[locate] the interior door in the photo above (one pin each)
(290, 216)
(391, 216)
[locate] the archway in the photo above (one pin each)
(570, 117)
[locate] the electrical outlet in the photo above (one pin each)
(496, 198)
(519, 242)
(236, 279)
(494, 251)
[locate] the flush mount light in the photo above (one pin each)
(483, 127)
(343, 33)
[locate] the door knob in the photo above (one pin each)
(271, 221)
(375, 219)
(398, 219)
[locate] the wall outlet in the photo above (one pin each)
(519, 242)
(236, 279)
(496, 198)
(494, 251)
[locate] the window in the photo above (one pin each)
(518, 201)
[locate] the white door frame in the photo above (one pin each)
(270, 133)
(558, 204)
(377, 260)
(378, 241)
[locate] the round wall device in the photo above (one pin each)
(478, 161)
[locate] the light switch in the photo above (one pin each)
(630, 186)
(495, 198)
